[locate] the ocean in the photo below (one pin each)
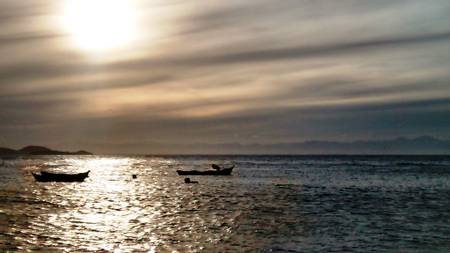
(268, 204)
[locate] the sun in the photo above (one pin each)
(100, 25)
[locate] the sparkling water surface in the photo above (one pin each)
(269, 204)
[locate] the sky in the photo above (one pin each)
(167, 76)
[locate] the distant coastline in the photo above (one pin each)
(38, 150)
(421, 145)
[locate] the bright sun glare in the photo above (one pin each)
(99, 25)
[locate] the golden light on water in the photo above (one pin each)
(100, 25)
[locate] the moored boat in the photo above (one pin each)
(45, 176)
(217, 172)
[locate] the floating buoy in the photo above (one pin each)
(188, 181)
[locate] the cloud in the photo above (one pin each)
(27, 38)
(246, 72)
(317, 51)
(91, 85)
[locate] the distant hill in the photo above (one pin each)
(424, 145)
(419, 145)
(7, 151)
(39, 150)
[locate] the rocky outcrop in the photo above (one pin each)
(39, 150)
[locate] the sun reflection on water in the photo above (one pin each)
(156, 212)
(106, 211)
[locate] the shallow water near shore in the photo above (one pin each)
(269, 204)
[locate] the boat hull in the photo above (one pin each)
(223, 172)
(59, 177)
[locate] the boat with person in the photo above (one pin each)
(46, 176)
(218, 171)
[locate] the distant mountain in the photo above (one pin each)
(7, 151)
(39, 150)
(82, 152)
(424, 145)
(421, 145)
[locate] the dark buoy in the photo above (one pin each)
(188, 181)
(134, 176)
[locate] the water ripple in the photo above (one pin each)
(270, 204)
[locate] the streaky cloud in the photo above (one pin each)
(316, 51)
(93, 85)
(28, 38)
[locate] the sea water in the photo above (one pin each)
(268, 204)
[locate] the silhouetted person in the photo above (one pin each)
(216, 167)
(188, 181)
